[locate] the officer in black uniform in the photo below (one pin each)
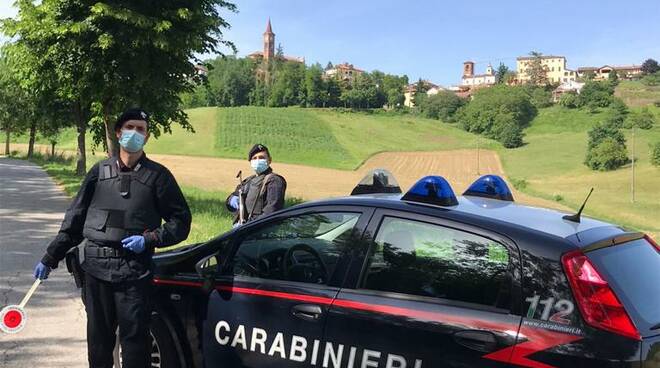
(263, 193)
(118, 213)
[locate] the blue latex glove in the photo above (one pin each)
(134, 243)
(233, 202)
(41, 271)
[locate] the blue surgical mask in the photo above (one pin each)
(131, 140)
(259, 165)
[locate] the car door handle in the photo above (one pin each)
(307, 312)
(484, 341)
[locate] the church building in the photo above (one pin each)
(269, 49)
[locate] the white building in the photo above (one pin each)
(470, 79)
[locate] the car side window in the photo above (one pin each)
(423, 259)
(303, 248)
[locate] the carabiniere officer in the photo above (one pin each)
(119, 213)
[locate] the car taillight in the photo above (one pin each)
(599, 305)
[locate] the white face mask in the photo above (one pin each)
(259, 165)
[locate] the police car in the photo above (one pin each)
(424, 279)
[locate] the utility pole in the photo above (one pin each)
(478, 158)
(632, 167)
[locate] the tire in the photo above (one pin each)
(163, 348)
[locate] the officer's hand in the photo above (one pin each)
(134, 243)
(233, 202)
(41, 271)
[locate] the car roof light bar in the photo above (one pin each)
(431, 190)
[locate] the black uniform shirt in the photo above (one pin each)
(171, 206)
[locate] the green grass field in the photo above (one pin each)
(552, 164)
(315, 137)
(635, 93)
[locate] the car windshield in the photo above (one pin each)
(633, 271)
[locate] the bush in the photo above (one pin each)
(607, 155)
(569, 100)
(651, 80)
(600, 132)
(655, 154)
(507, 131)
(541, 98)
(643, 119)
(500, 112)
(596, 94)
(441, 106)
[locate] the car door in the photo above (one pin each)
(270, 302)
(428, 293)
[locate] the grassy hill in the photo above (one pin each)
(315, 137)
(551, 163)
(635, 93)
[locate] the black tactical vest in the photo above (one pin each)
(254, 203)
(124, 203)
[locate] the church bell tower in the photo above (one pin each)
(269, 43)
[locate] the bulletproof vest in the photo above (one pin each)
(253, 200)
(124, 203)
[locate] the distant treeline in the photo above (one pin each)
(233, 81)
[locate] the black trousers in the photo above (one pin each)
(124, 305)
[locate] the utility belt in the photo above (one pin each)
(93, 251)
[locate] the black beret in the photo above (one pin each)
(257, 148)
(132, 114)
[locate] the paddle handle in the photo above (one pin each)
(30, 292)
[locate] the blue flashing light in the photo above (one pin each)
(490, 186)
(432, 190)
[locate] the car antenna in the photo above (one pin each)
(576, 217)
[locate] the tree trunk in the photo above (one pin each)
(81, 158)
(110, 136)
(33, 134)
(7, 141)
(52, 149)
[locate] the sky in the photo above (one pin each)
(431, 39)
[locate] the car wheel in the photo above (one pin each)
(163, 349)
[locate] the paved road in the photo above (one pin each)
(31, 210)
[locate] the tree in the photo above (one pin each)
(602, 131)
(287, 85)
(332, 92)
(231, 80)
(651, 80)
(501, 74)
(609, 154)
(498, 112)
(328, 66)
(421, 87)
(589, 75)
(314, 86)
(540, 97)
(644, 119)
(12, 102)
(650, 66)
(655, 154)
(395, 98)
(442, 106)
(111, 55)
(537, 72)
(569, 100)
(613, 78)
(596, 94)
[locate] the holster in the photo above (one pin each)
(73, 264)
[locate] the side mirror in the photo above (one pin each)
(207, 267)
